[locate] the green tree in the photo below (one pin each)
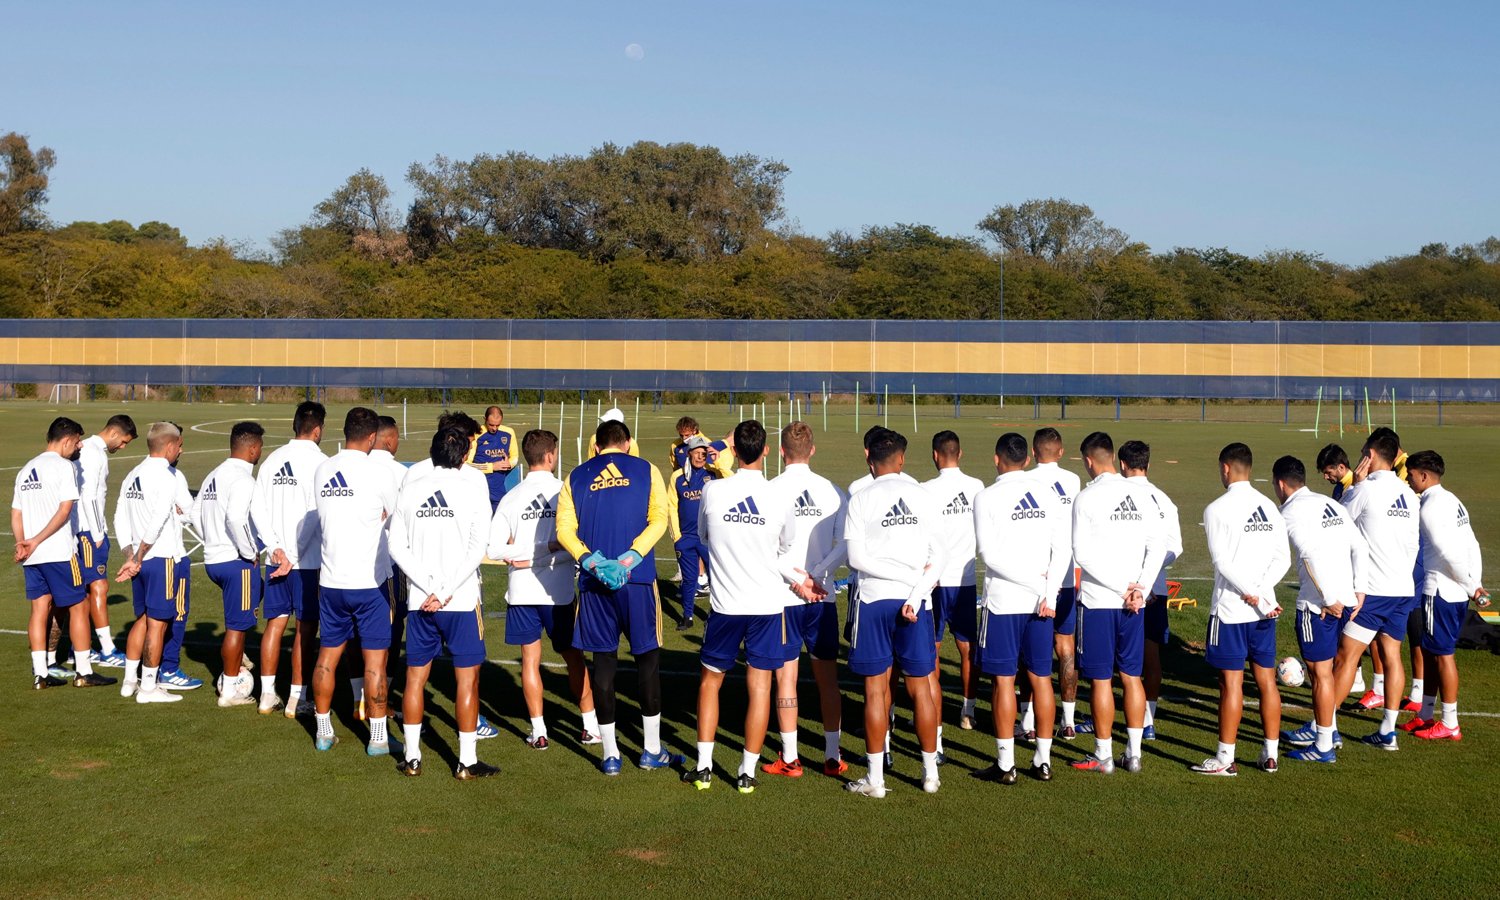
(23, 183)
(1056, 230)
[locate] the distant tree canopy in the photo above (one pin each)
(677, 231)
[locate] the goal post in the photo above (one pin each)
(65, 393)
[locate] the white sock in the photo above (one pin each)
(1043, 752)
(888, 741)
(591, 722)
(1273, 747)
(51, 658)
(106, 640)
(357, 685)
(1226, 752)
(876, 764)
(325, 724)
(413, 740)
(1450, 714)
(705, 755)
(39, 663)
(1335, 723)
(1359, 681)
(1151, 713)
(1069, 707)
(607, 737)
(293, 694)
(1416, 690)
(831, 744)
(468, 748)
(1428, 702)
(81, 663)
(748, 762)
(651, 733)
(1005, 753)
(538, 726)
(1325, 738)
(789, 746)
(1388, 720)
(969, 703)
(1104, 748)
(1379, 687)
(148, 677)
(267, 688)
(1028, 717)
(377, 730)
(132, 670)
(940, 739)
(1133, 741)
(929, 765)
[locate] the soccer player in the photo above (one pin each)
(1248, 544)
(1385, 511)
(387, 444)
(1453, 569)
(683, 498)
(818, 548)
(1135, 464)
(539, 592)
(1024, 534)
(613, 414)
(153, 505)
(284, 513)
(93, 529)
(495, 454)
(896, 547)
(41, 518)
(1415, 625)
(355, 496)
(1047, 450)
(1333, 465)
(1119, 546)
(438, 535)
(747, 525)
(720, 459)
(465, 423)
(221, 511)
(610, 514)
(955, 604)
(1332, 565)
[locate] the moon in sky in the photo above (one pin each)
(635, 52)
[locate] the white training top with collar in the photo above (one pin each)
(284, 507)
(818, 509)
(154, 505)
(46, 482)
(221, 512)
(1386, 511)
(747, 526)
(1248, 545)
(1118, 540)
(1450, 552)
(1332, 560)
(1024, 535)
(523, 529)
(894, 542)
(954, 493)
(437, 536)
(355, 496)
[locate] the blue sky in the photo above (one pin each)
(1354, 130)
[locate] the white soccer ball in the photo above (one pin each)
(1291, 672)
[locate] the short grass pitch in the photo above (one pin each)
(104, 796)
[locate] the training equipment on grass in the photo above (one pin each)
(1290, 672)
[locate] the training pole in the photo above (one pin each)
(637, 428)
(1341, 412)
(825, 410)
(581, 408)
(1393, 409)
(778, 436)
(539, 422)
(1318, 415)
(403, 415)
(913, 407)
(885, 408)
(856, 407)
(1368, 424)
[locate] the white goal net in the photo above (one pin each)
(64, 393)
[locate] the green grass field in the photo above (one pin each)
(102, 795)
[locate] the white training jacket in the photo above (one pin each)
(1173, 535)
(1450, 552)
(954, 493)
(437, 536)
(893, 540)
(1248, 545)
(221, 513)
(45, 483)
(154, 505)
(284, 507)
(818, 509)
(746, 524)
(93, 488)
(1025, 538)
(1332, 559)
(355, 496)
(398, 477)
(523, 528)
(1386, 512)
(1118, 540)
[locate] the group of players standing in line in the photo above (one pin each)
(358, 547)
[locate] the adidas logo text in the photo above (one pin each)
(1258, 521)
(1331, 517)
(609, 478)
(337, 486)
(1028, 508)
(1399, 509)
(284, 475)
(538, 509)
(745, 512)
(435, 507)
(33, 482)
(805, 506)
(1126, 512)
(900, 514)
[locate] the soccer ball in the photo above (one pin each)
(1290, 672)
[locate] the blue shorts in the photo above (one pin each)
(1007, 641)
(526, 625)
(1066, 621)
(603, 616)
(1442, 622)
(62, 581)
(240, 581)
(347, 612)
(1380, 615)
(1110, 640)
(956, 608)
(1318, 636)
(1230, 644)
(1408, 622)
(161, 589)
(883, 638)
(461, 632)
(1158, 630)
(294, 594)
(93, 558)
(814, 626)
(763, 639)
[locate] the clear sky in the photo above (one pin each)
(1357, 130)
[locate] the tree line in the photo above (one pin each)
(677, 231)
